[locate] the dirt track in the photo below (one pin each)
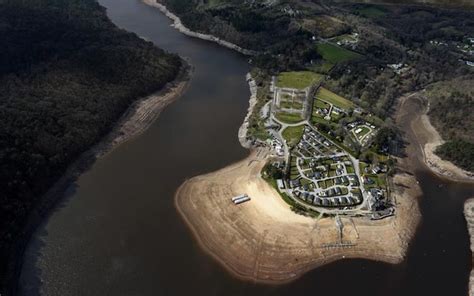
(263, 240)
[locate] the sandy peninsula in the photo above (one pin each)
(264, 241)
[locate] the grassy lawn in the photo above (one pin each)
(335, 117)
(297, 105)
(288, 117)
(350, 169)
(320, 104)
(323, 67)
(371, 11)
(329, 182)
(298, 80)
(335, 54)
(322, 184)
(364, 131)
(317, 118)
(293, 134)
(291, 105)
(382, 180)
(285, 104)
(336, 100)
(362, 166)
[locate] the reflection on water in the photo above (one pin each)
(117, 231)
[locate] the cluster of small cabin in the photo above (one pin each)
(359, 123)
(326, 112)
(346, 180)
(376, 169)
(329, 201)
(314, 144)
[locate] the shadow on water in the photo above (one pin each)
(117, 231)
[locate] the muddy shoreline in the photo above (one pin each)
(136, 119)
(428, 139)
(243, 130)
(177, 24)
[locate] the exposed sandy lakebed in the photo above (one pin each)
(264, 241)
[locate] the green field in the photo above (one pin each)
(298, 80)
(322, 67)
(335, 54)
(336, 100)
(291, 105)
(350, 169)
(288, 117)
(293, 134)
(371, 11)
(320, 104)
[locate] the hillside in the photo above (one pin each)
(373, 53)
(67, 75)
(446, 3)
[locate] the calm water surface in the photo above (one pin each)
(117, 231)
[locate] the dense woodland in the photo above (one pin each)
(67, 75)
(458, 151)
(452, 113)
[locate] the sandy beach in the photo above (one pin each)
(264, 241)
(429, 139)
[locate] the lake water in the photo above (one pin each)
(117, 231)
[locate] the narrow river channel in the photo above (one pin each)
(117, 232)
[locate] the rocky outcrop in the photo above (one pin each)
(243, 130)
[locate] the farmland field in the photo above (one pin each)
(336, 100)
(335, 54)
(288, 117)
(298, 80)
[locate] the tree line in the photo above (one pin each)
(68, 73)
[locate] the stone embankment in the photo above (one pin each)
(243, 130)
(180, 27)
(469, 215)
